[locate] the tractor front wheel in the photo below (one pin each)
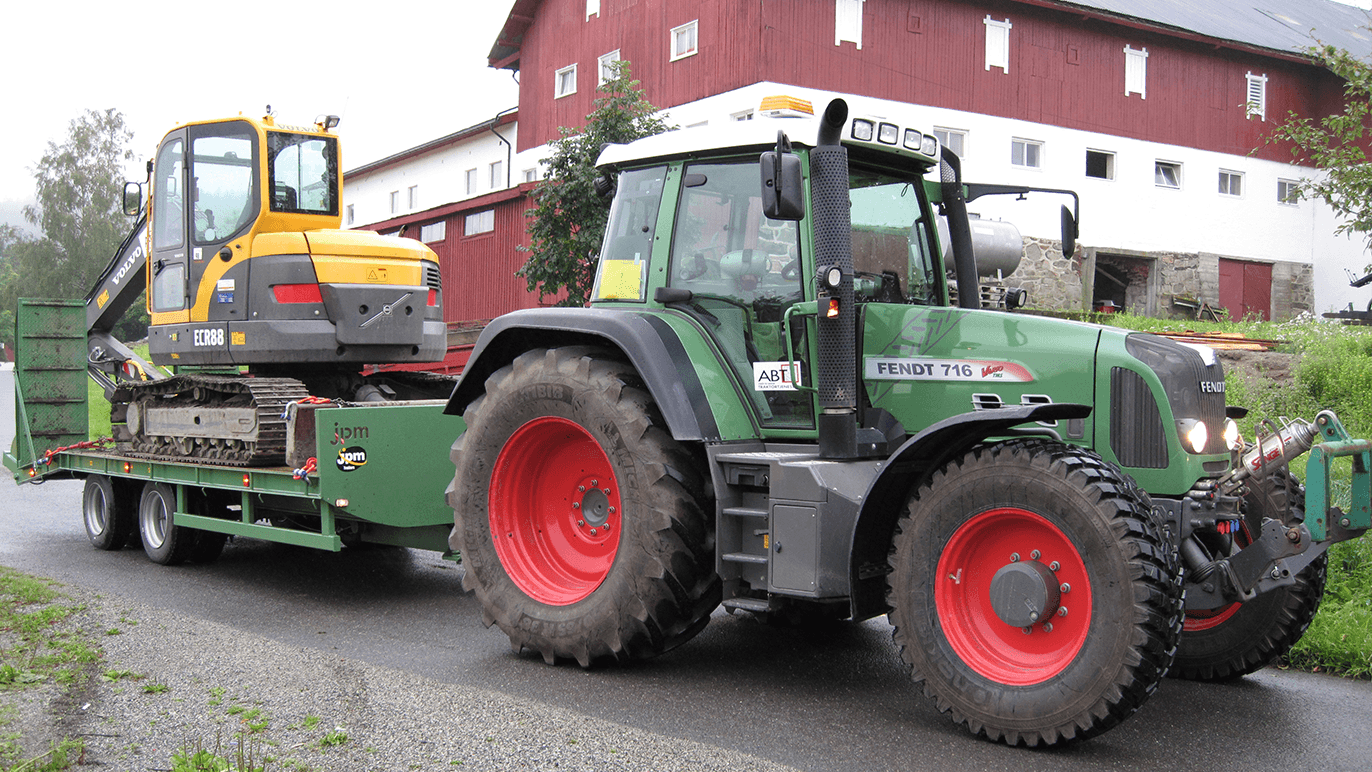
(1033, 594)
(1234, 640)
(582, 524)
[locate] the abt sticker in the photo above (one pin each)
(920, 369)
(350, 458)
(776, 376)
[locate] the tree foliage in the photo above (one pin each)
(79, 215)
(568, 219)
(1337, 144)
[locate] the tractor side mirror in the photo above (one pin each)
(133, 198)
(1069, 232)
(783, 192)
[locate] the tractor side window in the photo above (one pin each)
(892, 250)
(743, 271)
(222, 185)
(303, 173)
(623, 270)
(168, 205)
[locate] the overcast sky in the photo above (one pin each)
(400, 72)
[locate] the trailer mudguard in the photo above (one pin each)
(908, 467)
(648, 343)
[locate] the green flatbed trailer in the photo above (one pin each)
(381, 473)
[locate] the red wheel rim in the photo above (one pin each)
(555, 511)
(962, 595)
(1198, 620)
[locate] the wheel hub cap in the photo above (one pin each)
(1024, 593)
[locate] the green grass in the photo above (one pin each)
(1334, 371)
(98, 407)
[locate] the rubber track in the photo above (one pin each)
(269, 395)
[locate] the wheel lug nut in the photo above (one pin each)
(612, 510)
(595, 483)
(1014, 557)
(1048, 627)
(581, 488)
(1035, 555)
(581, 522)
(593, 532)
(1062, 611)
(1028, 630)
(1055, 565)
(1065, 587)
(576, 505)
(607, 527)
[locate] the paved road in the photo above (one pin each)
(832, 698)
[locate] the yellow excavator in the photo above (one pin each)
(256, 298)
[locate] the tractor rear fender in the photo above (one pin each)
(647, 342)
(908, 468)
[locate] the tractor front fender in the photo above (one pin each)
(644, 340)
(908, 468)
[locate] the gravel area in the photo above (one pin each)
(183, 683)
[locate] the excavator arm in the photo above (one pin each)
(108, 360)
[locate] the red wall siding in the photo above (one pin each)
(1195, 91)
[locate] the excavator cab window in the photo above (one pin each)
(222, 172)
(303, 173)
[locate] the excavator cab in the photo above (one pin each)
(247, 265)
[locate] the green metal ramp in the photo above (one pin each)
(49, 380)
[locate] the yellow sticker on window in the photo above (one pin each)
(621, 280)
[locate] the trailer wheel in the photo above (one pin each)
(582, 524)
(209, 544)
(164, 542)
(108, 511)
(1240, 638)
(1033, 594)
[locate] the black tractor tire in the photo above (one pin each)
(1242, 638)
(164, 542)
(107, 507)
(564, 444)
(1058, 528)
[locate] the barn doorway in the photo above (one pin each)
(1124, 283)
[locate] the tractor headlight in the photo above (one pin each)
(888, 134)
(1194, 434)
(863, 130)
(1232, 439)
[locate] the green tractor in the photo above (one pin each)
(774, 404)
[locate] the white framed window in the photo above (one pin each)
(479, 222)
(530, 175)
(685, 41)
(413, 196)
(953, 139)
(1027, 153)
(1288, 192)
(471, 181)
(1136, 71)
(605, 66)
(998, 44)
(497, 175)
(746, 115)
(434, 231)
(395, 202)
(351, 215)
(564, 82)
(592, 9)
(848, 22)
(1256, 104)
(1167, 174)
(1100, 164)
(1231, 183)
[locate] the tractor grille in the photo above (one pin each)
(1137, 435)
(1194, 387)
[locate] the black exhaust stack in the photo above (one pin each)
(836, 373)
(959, 232)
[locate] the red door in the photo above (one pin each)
(1246, 289)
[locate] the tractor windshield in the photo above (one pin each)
(893, 245)
(304, 173)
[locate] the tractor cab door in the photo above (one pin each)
(743, 272)
(223, 187)
(168, 260)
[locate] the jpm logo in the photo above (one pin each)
(350, 458)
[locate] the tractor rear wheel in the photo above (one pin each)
(1234, 640)
(1033, 594)
(582, 524)
(108, 510)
